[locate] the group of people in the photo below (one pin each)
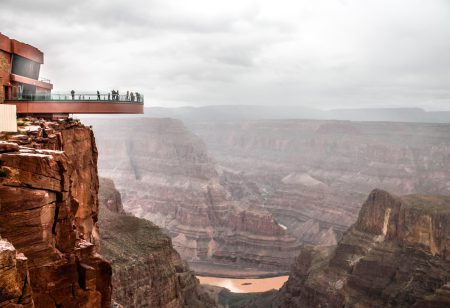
(130, 96)
(114, 95)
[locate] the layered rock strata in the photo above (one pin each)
(395, 255)
(147, 271)
(213, 215)
(304, 178)
(48, 218)
(314, 175)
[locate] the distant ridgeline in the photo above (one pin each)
(247, 112)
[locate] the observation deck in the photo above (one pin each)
(80, 103)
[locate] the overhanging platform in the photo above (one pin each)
(25, 107)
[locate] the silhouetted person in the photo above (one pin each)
(132, 96)
(73, 94)
(113, 95)
(138, 97)
(98, 95)
(117, 95)
(128, 95)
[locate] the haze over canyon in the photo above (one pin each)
(245, 195)
(232, 198)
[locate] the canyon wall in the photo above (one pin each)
(213, 215)
(147, 271)
(48, 219)
(395, 255)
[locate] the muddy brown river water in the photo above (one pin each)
(245, 285)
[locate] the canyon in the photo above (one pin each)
(165, 175)
(316, 174)
(269, 186)
(245, 199)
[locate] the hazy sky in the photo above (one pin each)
(317, 53)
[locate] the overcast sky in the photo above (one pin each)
(321, 53)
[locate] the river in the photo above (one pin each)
(245, 285)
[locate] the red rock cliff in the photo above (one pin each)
(48, 219)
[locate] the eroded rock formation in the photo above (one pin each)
(48, 218)
(147, 271)
(315, 174)
(395, 255)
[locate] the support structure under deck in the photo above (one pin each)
(34, 108)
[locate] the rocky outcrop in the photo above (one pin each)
(48, 215)
(109, 196)
(213, 215)
(14, 277)
(395, 255)
(147, 271)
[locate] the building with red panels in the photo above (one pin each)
(20, 85)
(20, 65)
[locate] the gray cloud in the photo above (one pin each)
(328, 54)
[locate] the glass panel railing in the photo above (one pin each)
(133, 97)
(43, 79)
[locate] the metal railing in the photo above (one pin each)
(133, 97)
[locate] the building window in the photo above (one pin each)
(25, 67)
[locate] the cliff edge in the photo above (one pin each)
(48, 218)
